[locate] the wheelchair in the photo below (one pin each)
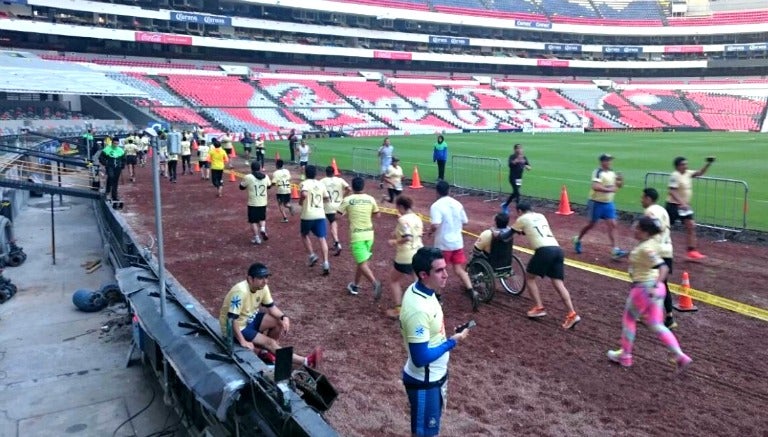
(500, 264)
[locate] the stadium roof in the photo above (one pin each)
(23, 72)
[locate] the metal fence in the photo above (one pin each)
(472, 174)
(365, 162)
(717, 203)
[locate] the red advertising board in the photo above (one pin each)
(551, 63)
(398, 56)
(162, 38)
(683, 49)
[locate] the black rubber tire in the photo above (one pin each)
(482, 278)
(515, 283)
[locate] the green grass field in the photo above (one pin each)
(569, 159)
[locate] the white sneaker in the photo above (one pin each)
(256, 240)
(312, 260)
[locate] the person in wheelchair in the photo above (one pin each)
(495, 244)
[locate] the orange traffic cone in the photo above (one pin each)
(232, 153)
(684, 301)
(277, 156)
(232, 177)
(416, 180)
(197, 167)
(336, 171)
(294, 192)
(565, 204)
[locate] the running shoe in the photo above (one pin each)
(576, 244)
(536, 312)
(377, 291)
(505, 208)
(284, 220)
(353, 289)
(617, 254)
(326, 268)
(618, 356)
(337, 248)
(314, 359)
(670, 322)
(694, 255)
(313, 260)
(267, 356)
(683, 362)
(264, 235)
(256, 240)
(571, 320)
(475, 296)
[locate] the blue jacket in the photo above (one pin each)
(440, 154)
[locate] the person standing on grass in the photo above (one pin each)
(202, 158)
(440, 156)
(605, 184)
(406, 239)
(131, 156)
(247, 146)
(337, 188)
(217, 158)
(186, 154)
(393, 179)
(242, 322)
(664, 239)
(517, 163)
(448, 217)
(313, 196)
(360, 209)
(425, 374)
(257, 184)
(547, 261)
(293, 142)
(646, 294)
(304, 151)
(385, 159)
(679, 201)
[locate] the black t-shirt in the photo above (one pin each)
(516, 168)
(292, 140)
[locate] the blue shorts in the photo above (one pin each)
(601, 211)
(317, 227)
(250, 331)
(426, 407)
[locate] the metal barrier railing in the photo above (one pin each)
(473, 174)
(717, 203)
(365, 162)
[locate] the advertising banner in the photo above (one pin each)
(448, 40)
(623, 50)
(189, 17)
(683, 49)
(398, 56)
(552, 63)
(531, 24)
(162, 38)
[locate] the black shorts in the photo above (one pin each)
(547, 261)
(204, 164)
(131, 159)
(406, 269)
(331, 217)
(673, 209)
(257, 214)
(246, 148)
(283, 199)
(217, 177)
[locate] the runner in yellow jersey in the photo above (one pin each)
(131, 157)
(257, 184)
(547, 260)
(407, 240)
(337, 189)
(313, 196)
(679, 199)
(359, 209)
(664, 239)
(281, 178)
(217, 157)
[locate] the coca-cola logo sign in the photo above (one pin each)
(162, 38)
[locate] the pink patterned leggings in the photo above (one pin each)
(641, 306)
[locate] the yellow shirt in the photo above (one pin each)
(314, 195)
(408, 225)
(421, 320)
(536, 229)
(359, 208)
(218, 157)
(256, 188)
(664, 239)
(642, 261)
(682, 183)
(394, 176)
(282, 180)
(335, 187)
(244, 303)
(484, 240)
(606, 178)
(131, 149)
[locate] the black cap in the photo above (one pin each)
(606, 157)
(395, 158)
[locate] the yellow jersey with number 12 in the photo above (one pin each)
(315, 194)
(335, 186)
(536, 228)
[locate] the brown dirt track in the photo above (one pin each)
(512, 376)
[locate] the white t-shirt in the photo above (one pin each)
(449, 214)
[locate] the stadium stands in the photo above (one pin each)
(629, 9)
(181, 115)
(159, 96)
(569, 8)
(664, 105)
(728, 112)
(14, 110)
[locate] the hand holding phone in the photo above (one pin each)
(710, 159)
(468, 325)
